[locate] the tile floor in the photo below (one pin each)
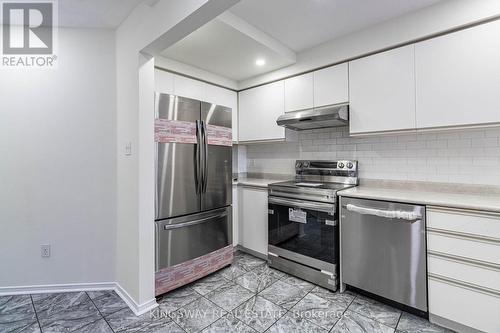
(245, 297)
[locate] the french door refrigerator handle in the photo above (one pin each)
(198, 176)
(205, 156)
(388, 214)
(190, 223)
(157, 208)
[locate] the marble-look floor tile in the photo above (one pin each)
(299, 283)
(18, 304)
(232, 272)
(230, 296)
(343, 299)
(413, 324)
(17, 314)
(10, 323)
(247, 262)
(197, 315)
(175, 299)
(49, 304)
(126, 320)
(259, 313)
(100, 326)
(283, 294)
(107, 301)
(209, 283)
(295, 324)
(382, 313)
(351, 322)
(228, 323)
(70, 319)
(258, 279)
(319, 311)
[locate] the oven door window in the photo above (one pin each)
(308, 232)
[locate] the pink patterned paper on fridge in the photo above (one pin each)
(170, 278)
(175, 131)
(220, 136)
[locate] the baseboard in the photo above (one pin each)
(138, 309)
(252, 252)
(452, 325)
(56, 288)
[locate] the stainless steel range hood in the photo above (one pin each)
(326, 116)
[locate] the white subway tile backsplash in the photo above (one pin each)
(465, 156)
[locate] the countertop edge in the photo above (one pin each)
(417, 201)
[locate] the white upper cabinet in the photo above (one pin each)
(331, 85)
(225, 97)
(458, 78)
(382, 91)
(190, 88)
(164, 82)
(299, 92)
(258, 110)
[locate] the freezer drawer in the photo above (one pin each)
(383, 250)
(184, 238)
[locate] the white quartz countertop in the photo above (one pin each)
(255, 182)
(477, 201)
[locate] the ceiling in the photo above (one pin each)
(302, 24)
(276, 29)
(94, 13)
(219, 48)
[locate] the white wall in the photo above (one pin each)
(147, 27)
(57, 169)
(441, 17)
(465, 156)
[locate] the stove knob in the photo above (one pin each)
(298, 165)
(349, 165)
(306, 165)
(340, 165)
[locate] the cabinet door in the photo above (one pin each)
(458, 78)
(299, 92)
(382, 91)
(331, 85)
(164, 82)
(190, 88)
(253, 219)
(258, 110)
(236, 227)
(225, 97)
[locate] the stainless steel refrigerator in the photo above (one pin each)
(193, 180)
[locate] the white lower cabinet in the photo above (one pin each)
(235, 216)
(252, 218)
(464, 268)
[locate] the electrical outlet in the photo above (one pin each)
(45, 251)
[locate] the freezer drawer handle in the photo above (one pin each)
(390, 214)
(323, 207)
(190, 223)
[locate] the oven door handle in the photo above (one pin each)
(323, 207)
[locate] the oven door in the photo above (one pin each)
(303, 231)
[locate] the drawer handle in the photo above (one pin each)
(190, 223)
(466, 285)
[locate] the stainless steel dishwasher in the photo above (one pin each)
(383, 250)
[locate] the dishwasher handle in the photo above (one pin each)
(389, 214)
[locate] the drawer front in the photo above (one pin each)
(487, 277)
(467, 222)
(465, 306)
(464, 247)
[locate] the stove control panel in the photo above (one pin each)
(346, 170)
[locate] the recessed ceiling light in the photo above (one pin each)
(260, 62)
